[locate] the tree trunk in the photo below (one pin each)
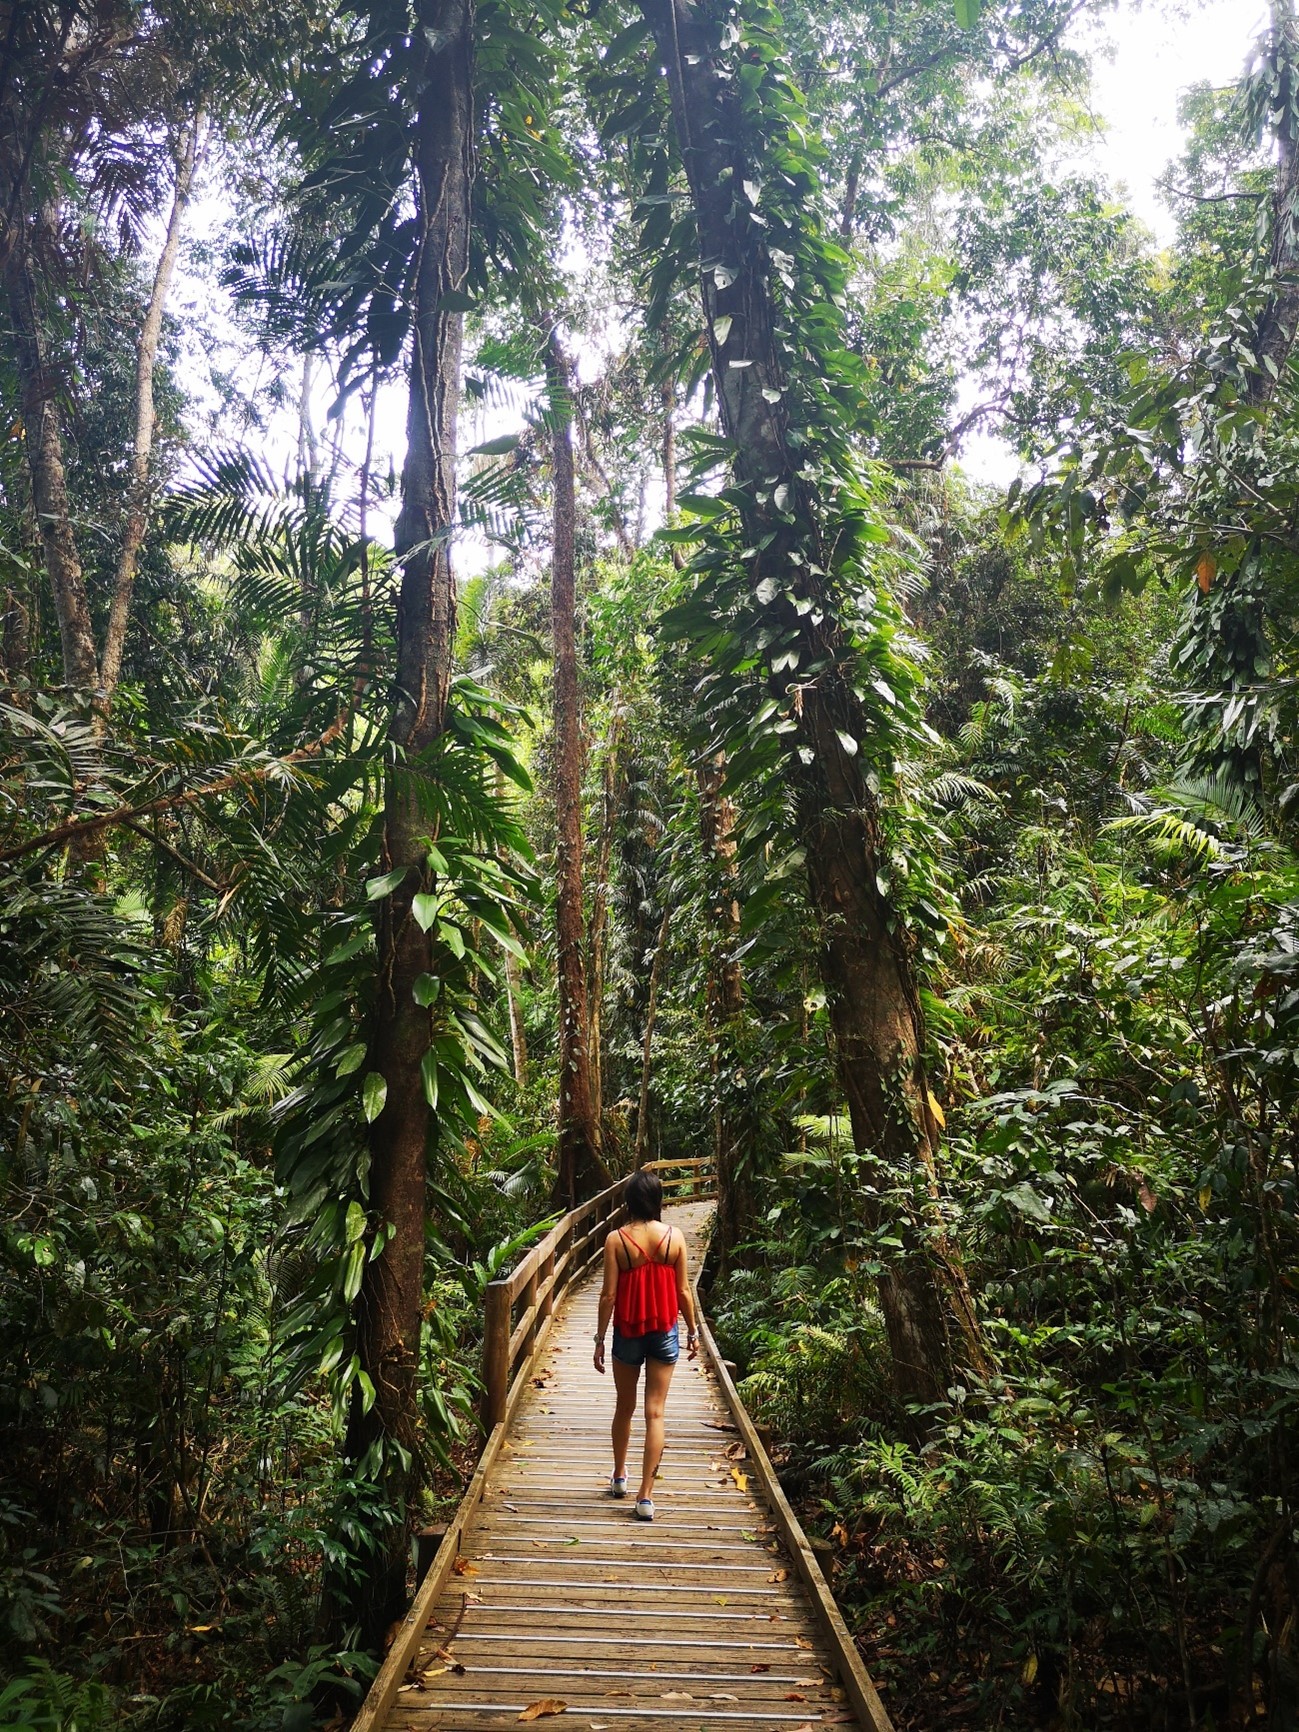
(580, 1169)
(43, 447)
(736, 1204)
(138, 498)
(647, 1044)
(865, 959)
(389, 1308)
(518, 1035)
(600, 903)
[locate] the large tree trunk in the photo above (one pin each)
(138, 498)
(389, 1309)
(580, 1169)
(43, 446)
(865, 958)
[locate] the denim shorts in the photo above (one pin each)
(663, 1344)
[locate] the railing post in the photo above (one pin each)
(548, 1276)
(497, 1311)
(530, 1305)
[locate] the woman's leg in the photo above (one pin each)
(625, 1378)
(658, 1375)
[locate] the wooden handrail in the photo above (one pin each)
(518, 1307)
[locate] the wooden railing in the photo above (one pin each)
(520, 1305)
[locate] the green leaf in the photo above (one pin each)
(456, 301)
(351, 1059)
(453, 938)
(426, 989)
(374, 1092)
(497, 447)
(428, 1070)
(353, 1267)
(847, 742)
(376, 888)
(702, 504)
(722, 328)
(967, 12)
(425, 908)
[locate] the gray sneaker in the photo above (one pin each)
(645, 1509)
(617, 1485)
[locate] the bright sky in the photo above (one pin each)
(1154, 53)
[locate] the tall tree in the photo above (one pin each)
(580, 1168)
(389, 1310)
(735, 114)
(138, 497)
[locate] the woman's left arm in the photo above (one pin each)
(686, 1299)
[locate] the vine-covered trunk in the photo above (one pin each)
(390, 1304)
(865, 959)
(580, 1169)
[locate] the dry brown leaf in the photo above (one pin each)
(762, 1666)
(677, 1696)
(778, 1576)
(546, 1706)
(741, 1479)
(723, 1696)
(1205, 572)
(463, 1567)
(795, 1696)
(802, 1641)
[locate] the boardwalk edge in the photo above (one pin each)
(853, 1675)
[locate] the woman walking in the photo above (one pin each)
(646, 1285)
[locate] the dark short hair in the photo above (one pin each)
(644, 1196)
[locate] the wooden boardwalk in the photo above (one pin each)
(561, 1606)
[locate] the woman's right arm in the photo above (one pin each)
(608, 1293)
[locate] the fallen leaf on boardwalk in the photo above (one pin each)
(513, 1506)
(736, 1451)
(747, 1534)
(547, 1705)
(718, 1425)
(778, 1576)
(723, 1696)
(810, 1682)
(677, 1696)
(762, 1666)
(794, 1696)
(463, 1567)
(741, 1479)
(720, 1600)
(807, 1726)
(802, 1641)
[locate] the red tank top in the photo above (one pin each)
(646, 1300)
